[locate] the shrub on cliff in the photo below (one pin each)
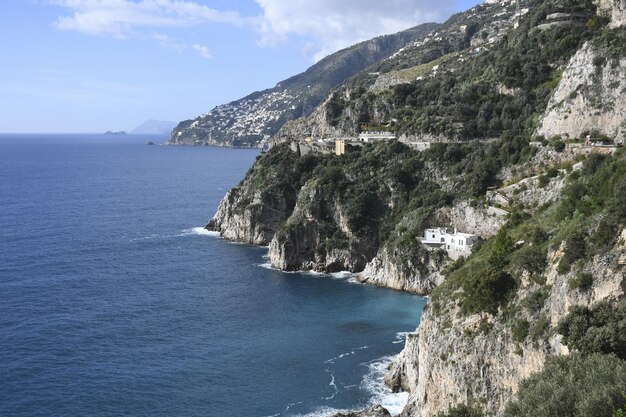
(485, 288)
(462, 410)
(531, 259)
(601, 329)
(574, 386)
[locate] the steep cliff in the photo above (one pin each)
(476, 349)
(360, 212)
(252, 211)
(591, 93)
(551, 214)
(615, 10)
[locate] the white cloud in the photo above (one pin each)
(167, 42)
(328, 25)
(336, 24)
(203, 51)
(120, 18)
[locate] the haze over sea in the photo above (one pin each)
(114, 300)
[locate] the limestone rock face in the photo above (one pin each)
(591, 95)
(615, 10)
(482, 221)
(392, 271)
(454, 359)
(254, 224)
(301, 244)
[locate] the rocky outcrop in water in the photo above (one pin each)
(256, 223)
(418, 273)
(251, 213)
(376, 411)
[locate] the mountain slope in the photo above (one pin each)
(245, 122)
(515, 54)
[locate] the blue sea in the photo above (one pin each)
(115, 302)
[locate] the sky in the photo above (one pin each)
(80, 66)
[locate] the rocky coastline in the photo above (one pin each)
(548, 209)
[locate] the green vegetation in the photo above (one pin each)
(531, 259)
(583, 281)
(535, 300)
(613, 41)
(620, 412)
(586, 220)
(462, 410)
(463, 101)
(575, 386)
(380, 190)
(601, 329)
(520, 330)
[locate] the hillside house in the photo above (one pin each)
(455, 243)
(340, 147)
(376, 136)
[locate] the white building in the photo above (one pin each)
(376, 136)
(457, 244)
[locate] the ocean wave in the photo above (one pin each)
(195, 231)
(286, 409)
(268, 265)
(199, 231)
(343, 355)
(139, 239)
(333, 385)
(401, 337)
(353, 280)
(321, 412)
(342, 275)
(373, 382)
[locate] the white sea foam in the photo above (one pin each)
(373, 382)
(286, 409)
(353, 280)
(343, 355)
(332, 384)
(199, 231)
(267, 265)
(321, 412)
(147, 238)
(401, 337)
(342, 275)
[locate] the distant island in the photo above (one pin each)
(152, 126)
(109, 132)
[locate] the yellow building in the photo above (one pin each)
(340, 147)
